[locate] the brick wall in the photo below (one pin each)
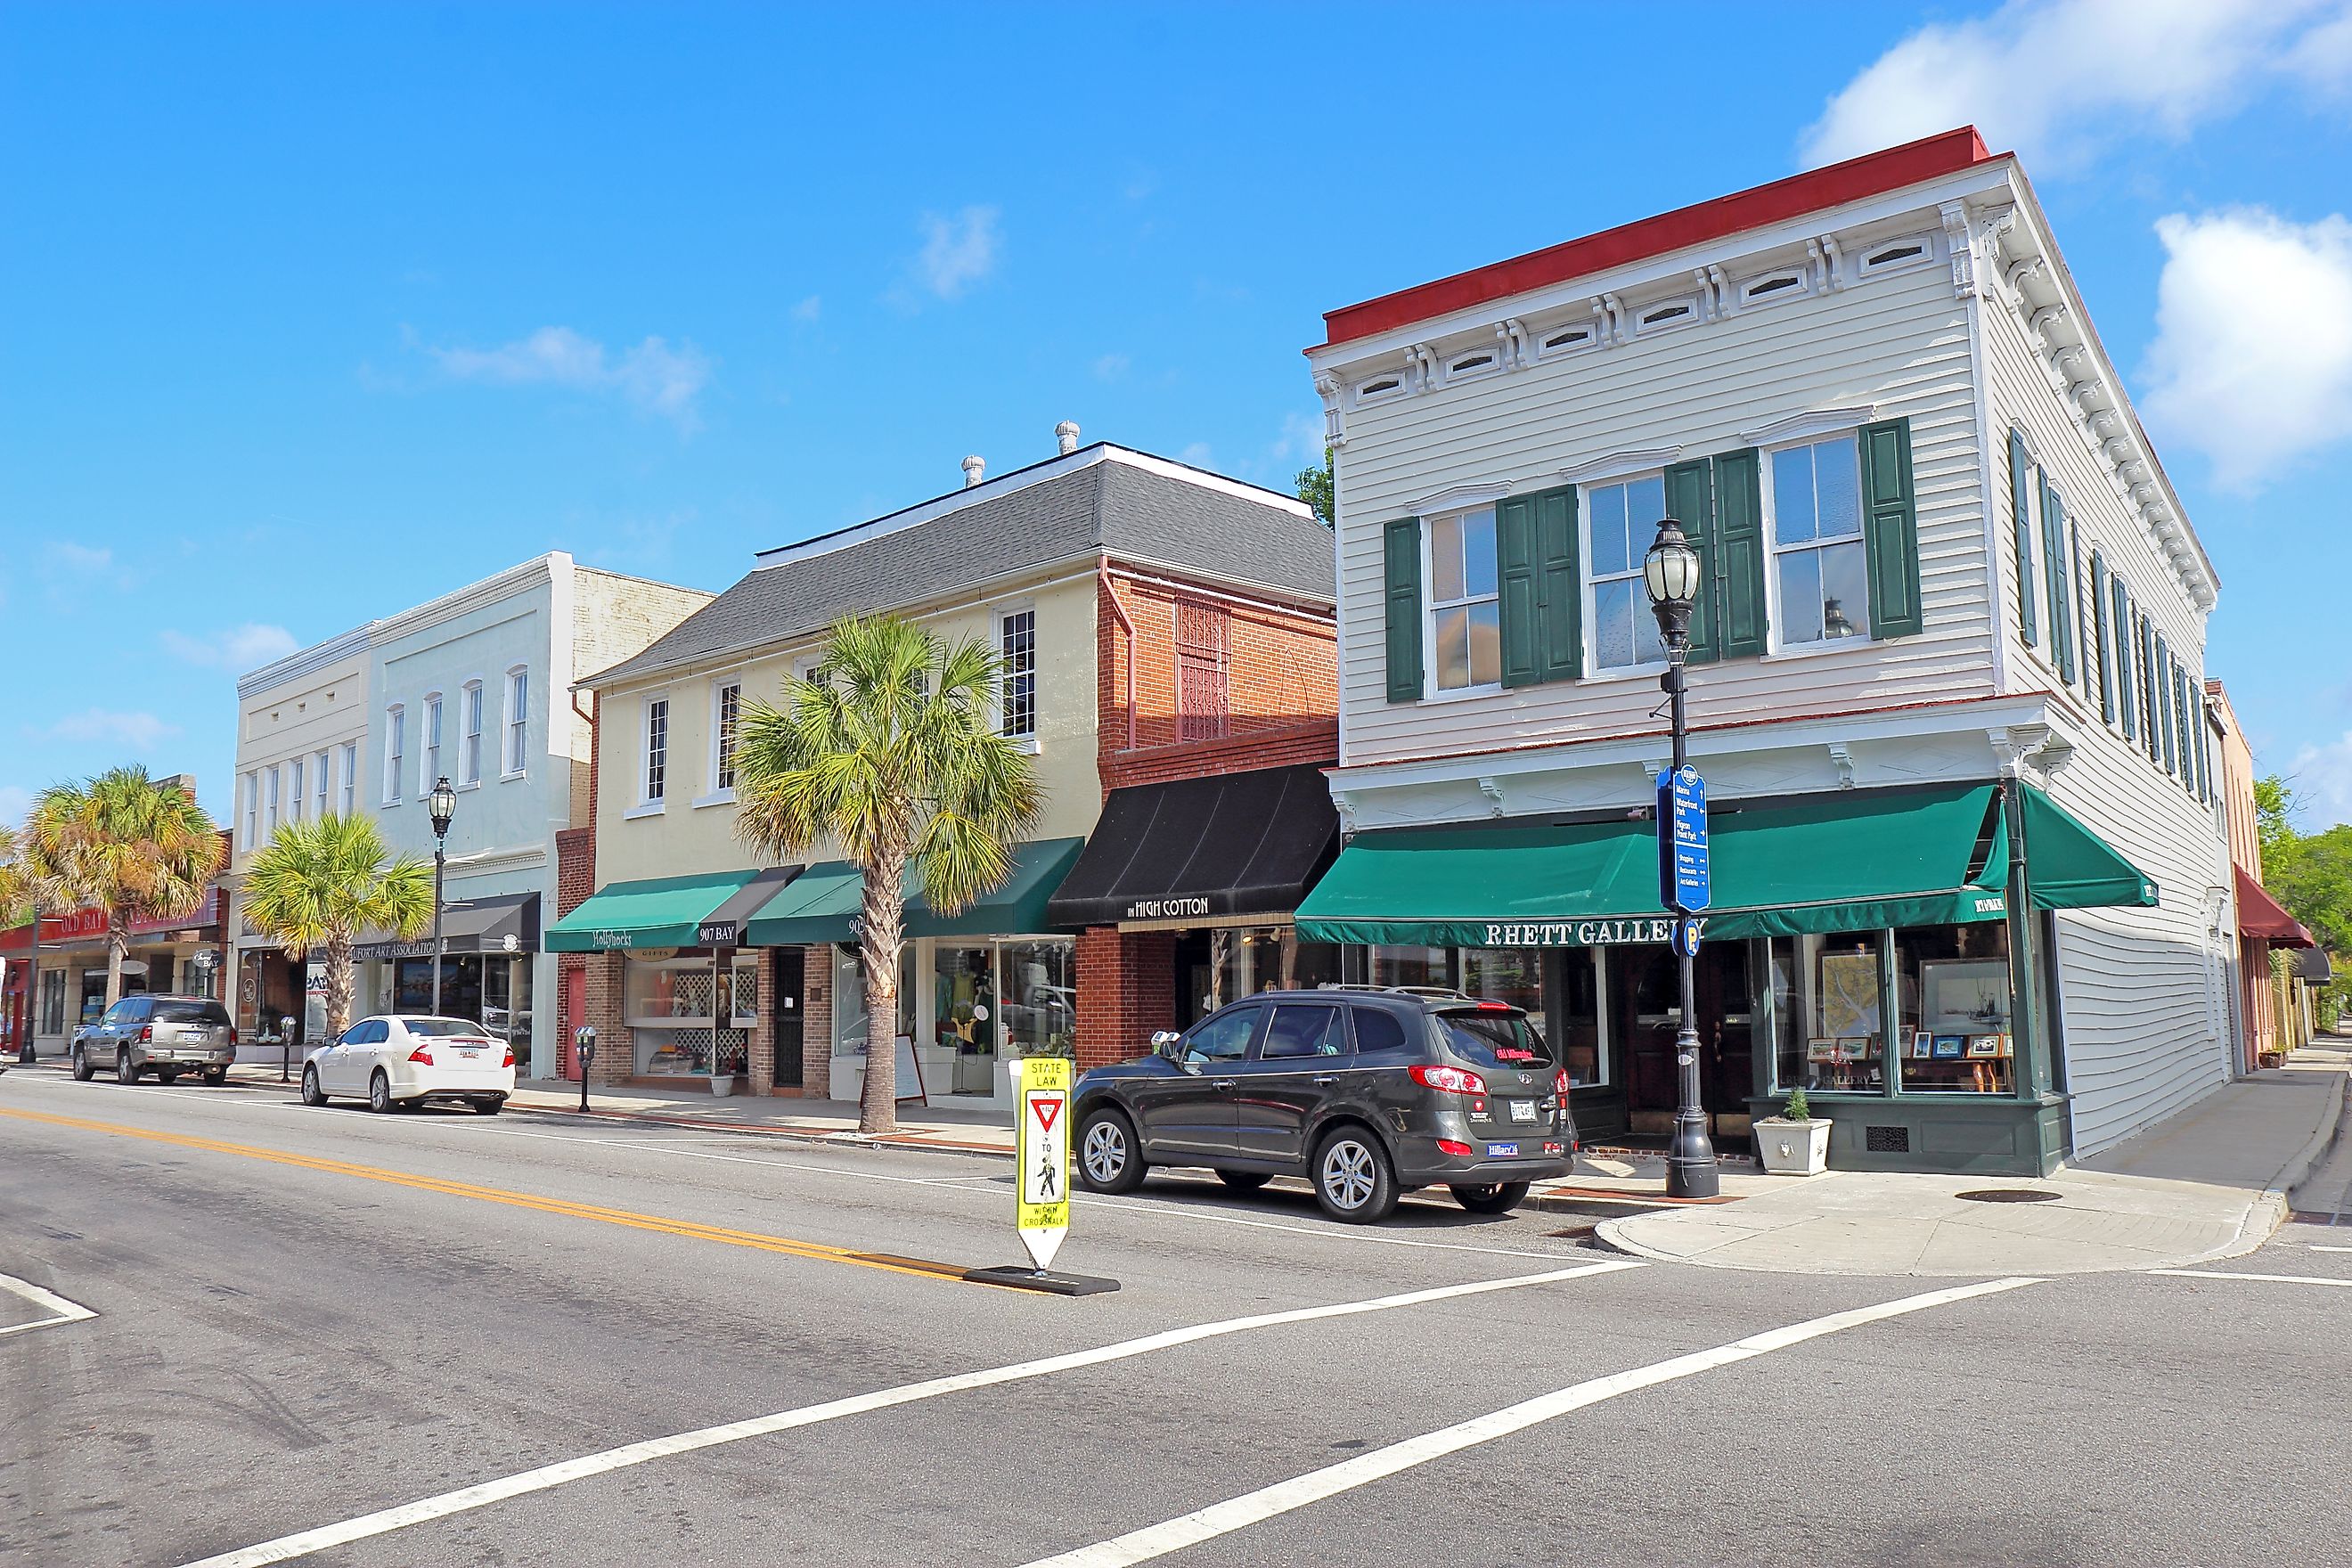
(1317, 740)
(816, 1023)
(615, 1053)
(760, 1064)
(1126, 990)
(1281, 672)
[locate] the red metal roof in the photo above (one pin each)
(1812, 191)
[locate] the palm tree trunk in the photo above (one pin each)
(117, 948)
(881, 934)
(340, 986)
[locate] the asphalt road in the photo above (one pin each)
(321, 1328)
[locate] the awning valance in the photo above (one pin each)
(668, 911)
(821, 904)
(1842, 862)
(2262, 916)
(1232, 844)
(468, 925)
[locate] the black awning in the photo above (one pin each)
(2311, 964)
(1236, 844)
(723, 927)
(468, 925)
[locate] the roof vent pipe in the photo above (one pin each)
(973, 466)
(1066, 435)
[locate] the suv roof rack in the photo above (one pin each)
(1439, 993)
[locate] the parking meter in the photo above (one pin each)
(583, 1046)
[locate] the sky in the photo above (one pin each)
(317, 312)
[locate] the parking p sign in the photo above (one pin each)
(1041, 1145)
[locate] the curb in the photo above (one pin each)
(847, 1137)
(2273, 1203)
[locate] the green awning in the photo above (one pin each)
(661, 912)
(821, 904)
(1839, 862)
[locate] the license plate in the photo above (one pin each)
(470, 1056)
(1502, 1150)
(1523, 1110)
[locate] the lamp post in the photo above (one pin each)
(442, 803)
(1670, 573)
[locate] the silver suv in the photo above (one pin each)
(166, 1036)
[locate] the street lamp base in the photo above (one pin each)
(1691, 1170)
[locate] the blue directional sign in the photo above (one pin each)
(1682, 880)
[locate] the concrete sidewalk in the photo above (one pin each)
(967, 1130)
(2209, 1182)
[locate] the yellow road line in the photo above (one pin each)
(691, 1229)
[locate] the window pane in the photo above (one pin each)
(1954, 1033)
(1646, 503)
(1610, 551)
(1800, 596)
(1845, 590)
(1445, 560)
(1792, 495)
(1844, 1028)
(1837, 476)
(1452, 639)
(1305, 1032)
(1040, 998)
(1223, 1038)
(1486, 643)
(1478, 552)
(1612, 631)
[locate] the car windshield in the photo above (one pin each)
(191, 1013)
(441, 1028)
(1493, 1037)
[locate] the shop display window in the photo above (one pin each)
(1828, 1010)
(1041, 997)
(1572, 1020)
(1433, 966)
(1953, 1010)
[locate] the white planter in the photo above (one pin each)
(722, 1085)
(1793, 1148)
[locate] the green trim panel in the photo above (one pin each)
(1890, 525)
(1401, 567)
(661, 912)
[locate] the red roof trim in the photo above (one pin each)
(1812, 191)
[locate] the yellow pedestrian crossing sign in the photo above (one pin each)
(1041, 1145)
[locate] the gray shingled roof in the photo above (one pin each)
(1109, 505)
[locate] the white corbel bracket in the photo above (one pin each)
(1492, 788)
(1842, 758)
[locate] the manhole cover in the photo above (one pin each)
(2008, 1195)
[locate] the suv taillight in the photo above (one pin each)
(232, 1034)
(1560, 1085)
(1448, 1081)
(421, 1055)
(146, 1033)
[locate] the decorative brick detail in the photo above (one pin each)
(817, 1022)
(1280, 673)
(761, 1062)
(1316, 741)
(1126, 991)
(616, 1054)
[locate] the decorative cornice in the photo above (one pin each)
(1458, 497)
(1617, 464)
(1811, 422)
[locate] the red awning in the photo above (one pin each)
(2260, 915)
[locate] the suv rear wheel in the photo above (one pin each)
(1109, 1160)
(1354, 1178)
(1491, 1198)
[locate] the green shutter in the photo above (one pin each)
(1890, 529)
(1515, 552)
(2074, 599)
(1690, 500)
(2054, 579)
(2020, 506)
(1740, 552)
(1560, 586)
(2198, 727)
(1400, 544)
(2119, 619)
(2167, 702)
(2151, 691)
(2099, 636)
(2180, 719)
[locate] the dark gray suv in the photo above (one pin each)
(1368, 1093)
(163, 1034)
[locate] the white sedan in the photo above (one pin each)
(395, 1060)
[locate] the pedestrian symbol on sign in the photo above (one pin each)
(1044, 1156)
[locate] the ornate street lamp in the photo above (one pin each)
(442, 803)
(1670, 573)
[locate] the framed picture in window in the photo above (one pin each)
(1821, 1051)
(1984, 1045)
(1950, 1047)
(1966, 996)
(1847, 1002)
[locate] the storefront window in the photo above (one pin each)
(1041, 998)
(461, 986)
(1827, 1009)
(52, 1016)
(1432, 966)
(850, 997)
(1953, 988)
(506, 1003)
(1572, 1019)
(964, 1014)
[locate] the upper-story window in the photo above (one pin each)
(1563, 340)
(1789, 283)
(1016, 653)
(469, 749)
(1664, 314)
(319, 771)
(1913, 251)
(1380, 387)
(425, 780)
(252, 808)
(396, 752)
(1465, 636)
(270, 815)
(517, 721)
(1476, 362)
(294, 792)
(1203, 669)
(350, 779)
(1621, 520)
(725, 710)
(657, 768)
(1821, 570)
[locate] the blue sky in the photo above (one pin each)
(318, 312)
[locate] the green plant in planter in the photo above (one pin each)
(1797, 1110)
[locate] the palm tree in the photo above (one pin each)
(890, 750)
(135, 847)
(316, 885)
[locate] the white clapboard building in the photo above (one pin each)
(1971, 889)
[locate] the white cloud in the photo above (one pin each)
(140, 731)
(2055, 78)
(239, 649)
(810, 309)
(2252, 358)
(1301, 439)
(2322, 779)
(958, 251)
(14, 802)
(653, 376)
(1197, 454)
(1111, 367)
(75, 557)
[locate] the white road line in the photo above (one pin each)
(2317, 1247)
(288, 1547)
(2267, 1279)
(1251, 1508)
(61, 1310)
